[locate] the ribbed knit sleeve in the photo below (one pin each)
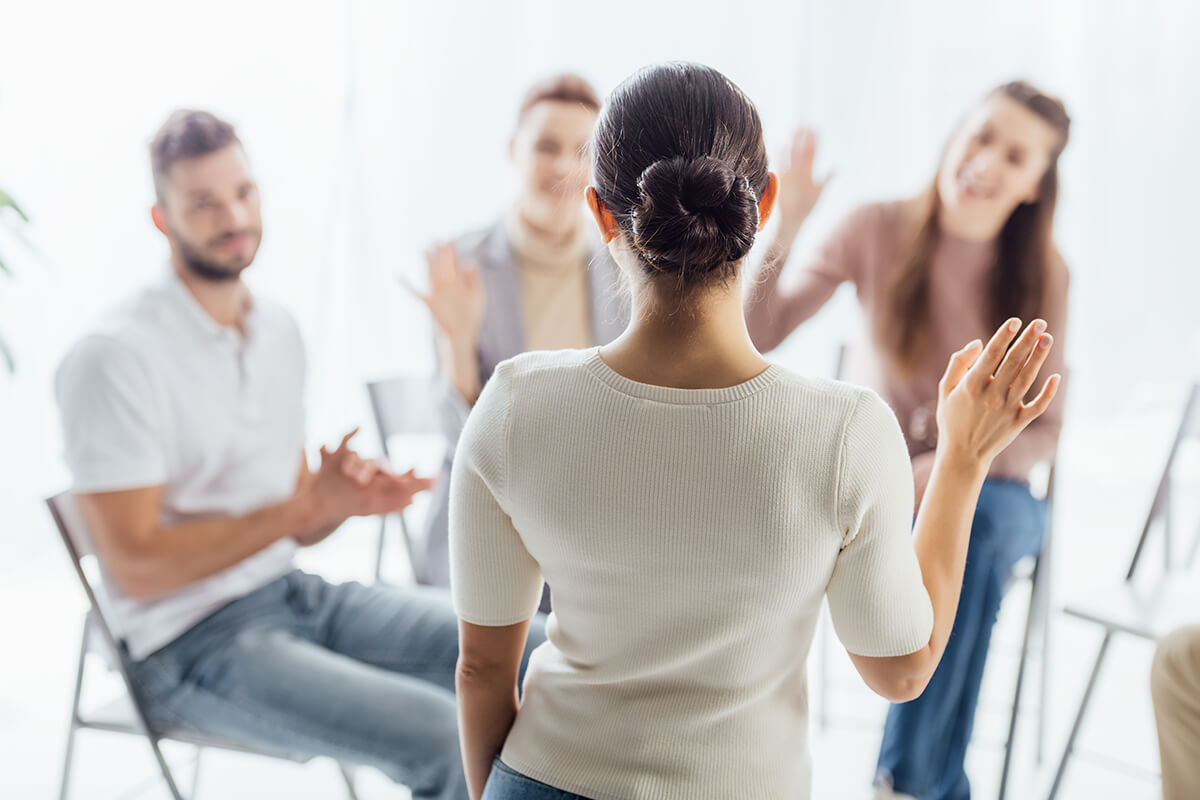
(493, 579)
(876, 595)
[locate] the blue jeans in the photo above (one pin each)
(362, 674)
(505, 783)
(925, 741)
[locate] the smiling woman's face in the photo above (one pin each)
(995, 162)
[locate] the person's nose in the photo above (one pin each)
(239, 215)
(983, 164)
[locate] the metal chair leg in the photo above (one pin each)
(1190, 561)
(1030, 621)
(379, 546)
(410, 548)
(348, 777)
(1043, 676)
(196, 774)
(1044, 596)
(168, 778)
(1075, 726)
(65, 786)
(70, 754)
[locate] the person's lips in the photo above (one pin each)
(235, 241)
(970, 186)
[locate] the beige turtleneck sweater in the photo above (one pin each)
(552, 273)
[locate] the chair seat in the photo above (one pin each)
(117, 716)
(1148, 612)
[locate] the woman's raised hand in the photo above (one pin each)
(799, 191)
(981, 398)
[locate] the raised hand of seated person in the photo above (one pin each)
(799, 189)
(455, 297)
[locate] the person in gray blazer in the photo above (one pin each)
(537, 279)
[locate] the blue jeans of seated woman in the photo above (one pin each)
(362, 674)
(925, 741)
(505, 783)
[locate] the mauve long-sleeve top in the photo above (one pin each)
(864, 249)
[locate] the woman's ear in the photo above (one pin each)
(605, 221)
(766, 203)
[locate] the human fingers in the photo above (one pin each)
(958, 366)
(981, 372)
(1018, 355)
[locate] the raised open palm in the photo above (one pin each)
(799, 190)
(981, 403)
(455, 297)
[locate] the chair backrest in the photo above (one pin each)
(1160, 508)
(409, 407)
(72, 527)
(406, 405)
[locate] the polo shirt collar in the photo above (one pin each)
(193, 315)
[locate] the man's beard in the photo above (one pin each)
(205, 268)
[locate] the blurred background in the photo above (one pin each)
(378, 126)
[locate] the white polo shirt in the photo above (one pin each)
(160, 394)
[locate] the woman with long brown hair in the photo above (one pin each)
(931, 272)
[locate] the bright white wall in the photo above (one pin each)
(377, 126)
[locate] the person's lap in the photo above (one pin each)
(364, 674)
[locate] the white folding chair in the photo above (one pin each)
(1146, 610)
(406, 406)
(126, 713)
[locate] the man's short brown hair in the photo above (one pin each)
(186, 134)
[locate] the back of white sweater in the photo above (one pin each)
(688, 537)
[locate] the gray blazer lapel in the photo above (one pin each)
(503, 332)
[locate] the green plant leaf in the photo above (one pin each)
(6, 356)
(6, 200)
(4, 268)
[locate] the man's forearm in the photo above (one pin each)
(173, 557)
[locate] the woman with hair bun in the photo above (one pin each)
(693, 504)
